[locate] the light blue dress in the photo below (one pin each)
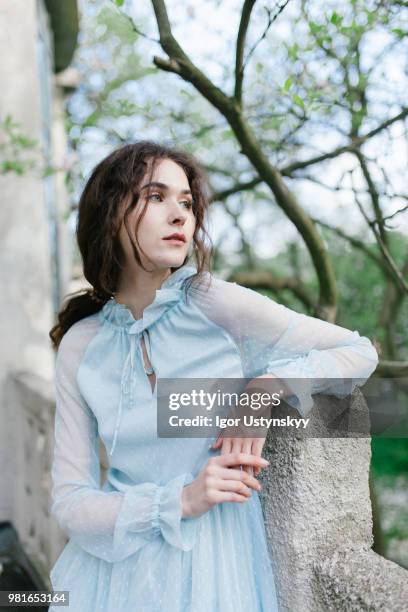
(129, 548)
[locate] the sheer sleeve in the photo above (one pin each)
(292, 346)
(109, 525)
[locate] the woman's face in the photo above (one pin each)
(169, 211)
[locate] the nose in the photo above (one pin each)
(177, 214)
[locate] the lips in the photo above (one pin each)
(177, 237)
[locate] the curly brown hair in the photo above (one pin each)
(115, 180)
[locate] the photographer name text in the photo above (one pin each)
(246, 421)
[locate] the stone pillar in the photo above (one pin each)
(318, 518)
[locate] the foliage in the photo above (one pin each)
(390, 456)
(16, 149)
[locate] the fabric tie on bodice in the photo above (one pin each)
(121, 316)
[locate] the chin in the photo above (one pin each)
(174, 261)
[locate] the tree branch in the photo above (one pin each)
(238, 187)
(398, 278)
(246, 245)
(358, 244)
(181, 64)
(240, 64)
(250, 147)
(349, 148)
(279, 5)
(375, 198)
(240, 48)
(392, 369)
(133, 25)
(391, 305)
(397, 212)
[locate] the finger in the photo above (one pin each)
(229, 496)
(231, 474)
(236, 445)
(231, 459)
(247, 448)
(232, 485)
(257, 446)
(257, 451)
(226, 446)
(258, 443)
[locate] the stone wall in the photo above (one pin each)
(33, 243)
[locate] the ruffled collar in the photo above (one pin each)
(169, 294)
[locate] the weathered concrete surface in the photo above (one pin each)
(31, 436)
(318, 518)
(32, 206)
(355, 580)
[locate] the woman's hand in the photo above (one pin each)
(248, 445)
(218, 482)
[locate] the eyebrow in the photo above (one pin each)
(163, 186)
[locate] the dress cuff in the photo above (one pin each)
(299, 379)
(176, 530)
(133, 527)
(309, 375)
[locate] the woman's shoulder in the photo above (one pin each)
(213, 285)
(227, 303)
(78, 335)
(240, 309)
(214, 288)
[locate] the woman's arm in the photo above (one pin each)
(109, 525)
(314, 356)
(277, 340)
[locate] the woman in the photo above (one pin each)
(177, 526)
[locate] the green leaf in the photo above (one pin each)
(12, 166)
(293, 51)
(336, 19)
(48, 171)
(400, 33)
(370, 17)
(288, 84)
(119, 2)
(315, 27)
(298, 100)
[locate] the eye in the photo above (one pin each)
(155, 195)
(188, 203)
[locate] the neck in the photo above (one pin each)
(137, 288)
